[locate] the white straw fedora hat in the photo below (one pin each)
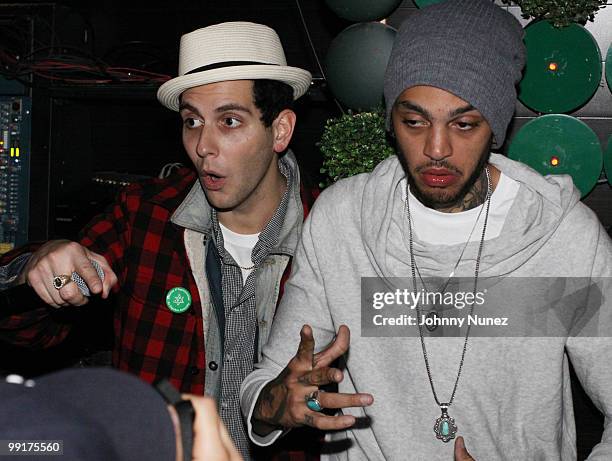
(231, 51)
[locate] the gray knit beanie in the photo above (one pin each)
(471, 48)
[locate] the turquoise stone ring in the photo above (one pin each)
(312, 402)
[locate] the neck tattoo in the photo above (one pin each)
(445, 427)
(476, 196)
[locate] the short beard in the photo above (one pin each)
(456, 201)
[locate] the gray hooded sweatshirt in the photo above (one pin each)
(514, 399)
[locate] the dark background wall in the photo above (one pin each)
(83, 131)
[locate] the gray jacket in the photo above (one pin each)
(194, 215)
(514, 397)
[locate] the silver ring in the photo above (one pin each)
(60, 281)
(312, 402)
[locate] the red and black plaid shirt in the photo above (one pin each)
(146, 251)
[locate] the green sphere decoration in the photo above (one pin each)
(353, 144)
(363, 10)
(355, 64)
(560, 144)
(563, 68)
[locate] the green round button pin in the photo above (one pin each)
(560, 144)
(178, 300)
(563, 69)
(608, 160)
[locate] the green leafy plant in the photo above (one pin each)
(560, 13)
(353, 144)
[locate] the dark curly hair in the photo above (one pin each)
(271, 97)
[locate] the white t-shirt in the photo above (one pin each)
(440, 228)
(240, 246)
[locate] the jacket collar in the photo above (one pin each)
(195, 212)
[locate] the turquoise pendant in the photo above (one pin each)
(445, 427)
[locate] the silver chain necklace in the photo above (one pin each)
(250, 268)
(432, 313)
(445, 427)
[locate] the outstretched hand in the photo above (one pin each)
(282, 402)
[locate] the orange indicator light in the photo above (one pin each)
(553, 66)
(554, 161)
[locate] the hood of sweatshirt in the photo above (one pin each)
(538, 209)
